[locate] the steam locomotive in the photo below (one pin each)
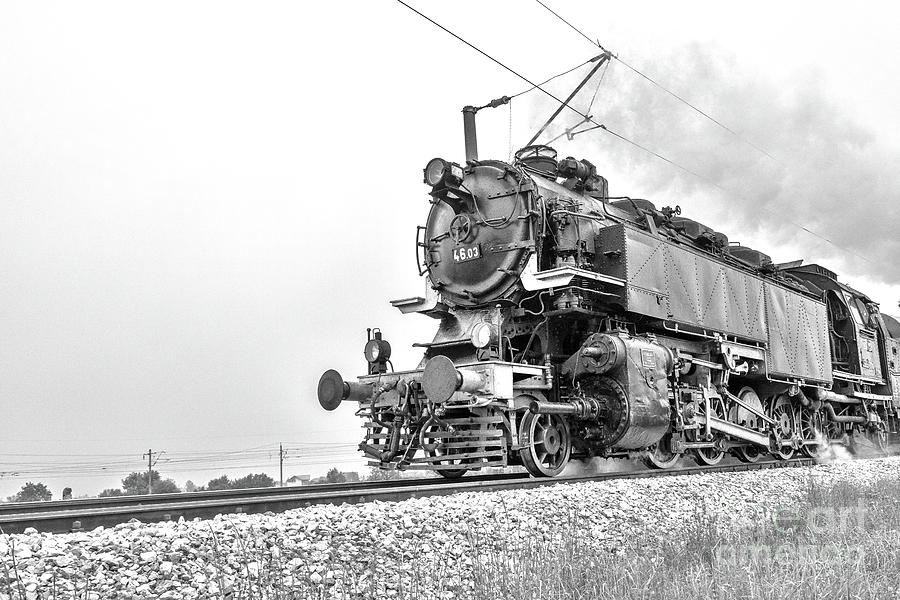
(574, 325)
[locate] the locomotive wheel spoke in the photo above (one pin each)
(879, 439)
(550, 446)
(658, 458)
(785, 416)
(711, 456)
(742, 416)
(434, 449)
(811, 429)
(748, 454)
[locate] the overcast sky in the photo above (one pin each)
(203, 205)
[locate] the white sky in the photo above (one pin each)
(203, 205)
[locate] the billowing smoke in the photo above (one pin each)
(829, 173)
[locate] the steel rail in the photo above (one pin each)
(78, 503)
(80, 515)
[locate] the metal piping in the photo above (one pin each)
(469, 132)
(829, 410)
(394, 447)
(829, 396)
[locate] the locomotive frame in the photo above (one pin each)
(574, 324)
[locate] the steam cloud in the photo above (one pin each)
(830, 174)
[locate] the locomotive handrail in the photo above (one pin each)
(420, 244)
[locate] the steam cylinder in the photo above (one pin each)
(627, 379)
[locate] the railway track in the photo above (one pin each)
(84, 514)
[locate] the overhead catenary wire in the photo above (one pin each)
(700, 111)
(557, 76)
(571, 132)
(597, 89)
(160, 438)
(659, 85)
(492, 59)
(589, 119)
(22, 465)
(113, 458)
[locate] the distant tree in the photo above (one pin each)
(32, 492)
(136, 483)
(376, 474)
(334, 476)
(110, 492)
(166, 486)
(190, 486)
(219, 483)
(67, 493)
(254, 480)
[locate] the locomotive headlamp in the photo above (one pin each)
(483, 335)
(441, 172)
(377, 350)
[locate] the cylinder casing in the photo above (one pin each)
(628, 377)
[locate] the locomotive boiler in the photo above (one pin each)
(574, 324)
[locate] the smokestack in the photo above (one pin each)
(469, 132)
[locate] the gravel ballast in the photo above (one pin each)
(386, 547)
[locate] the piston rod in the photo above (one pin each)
(586, 408)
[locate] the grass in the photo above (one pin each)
(843, 542)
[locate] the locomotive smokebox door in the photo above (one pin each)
(479, 240)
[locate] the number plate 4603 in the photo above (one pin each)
(466, 253)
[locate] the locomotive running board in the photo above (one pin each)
(533, 279)
(418, 304)
(737, 431)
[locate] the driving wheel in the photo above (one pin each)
(659, 456)
(786, 423)
(709, 456)
(546, 442)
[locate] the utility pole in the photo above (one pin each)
(280, 465)
(150, 462)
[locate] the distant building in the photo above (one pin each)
(351, 476)
(297, 480)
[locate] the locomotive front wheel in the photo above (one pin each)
(434, 449)
(547, 442)
(452, 473)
